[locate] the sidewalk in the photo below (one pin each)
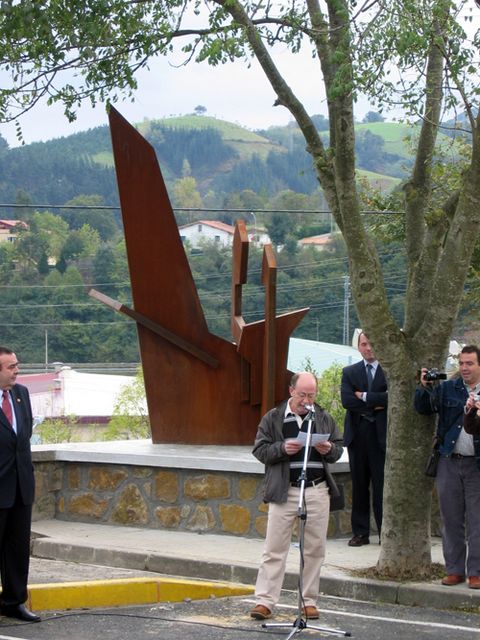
(126, 559)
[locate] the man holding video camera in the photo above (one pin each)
(458, 474)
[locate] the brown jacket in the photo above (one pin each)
(471, 422)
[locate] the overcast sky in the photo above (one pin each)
(230, 92)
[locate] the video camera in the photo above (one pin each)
(432, 375)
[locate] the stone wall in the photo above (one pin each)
(168, 498)
(181, 487)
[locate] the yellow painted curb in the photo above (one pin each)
(125, 592)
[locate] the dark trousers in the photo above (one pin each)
(367, 462)
(458, 488)
(15, 525)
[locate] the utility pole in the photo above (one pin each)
(254, 226)
(346, 309)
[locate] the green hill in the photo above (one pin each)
(223, 157)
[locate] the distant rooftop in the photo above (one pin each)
(321, 355)
(319, 240)
(215, 224)
(11, 224)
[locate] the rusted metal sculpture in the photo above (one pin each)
(200, 388)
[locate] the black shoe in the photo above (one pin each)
(358, 541)
(20, 612)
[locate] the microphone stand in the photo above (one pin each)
(300, 622)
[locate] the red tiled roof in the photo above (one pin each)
(38, 382)
(221, 226)
(324, 238)
(11, 224)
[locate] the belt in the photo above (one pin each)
(308, 483)
(458, 456)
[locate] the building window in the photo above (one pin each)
(199, 228)
(217, 238)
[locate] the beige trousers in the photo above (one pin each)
(281, 518)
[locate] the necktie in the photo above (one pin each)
(369, 375)
(7, 407)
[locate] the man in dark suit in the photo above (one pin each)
(364, 396)
(17, 487)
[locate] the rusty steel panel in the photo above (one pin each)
(201, 389)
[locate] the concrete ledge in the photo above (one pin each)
(125, 592)
(144, 453)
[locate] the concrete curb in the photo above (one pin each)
(339, 583)
(126, 592)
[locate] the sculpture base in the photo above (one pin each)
(203, 488)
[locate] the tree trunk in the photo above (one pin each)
(405, 549)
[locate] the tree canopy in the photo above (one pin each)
(417, 55)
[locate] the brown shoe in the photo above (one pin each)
(311, 612)
(453, 579)
(260, 612)
(358, 541)
(474, 582)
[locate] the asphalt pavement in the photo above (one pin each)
(77, 565)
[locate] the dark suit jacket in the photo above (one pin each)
(354, 378)
(15, 454)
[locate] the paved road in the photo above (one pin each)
(226, 619)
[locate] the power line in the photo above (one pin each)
(107, 207)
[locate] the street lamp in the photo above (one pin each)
(254, 224)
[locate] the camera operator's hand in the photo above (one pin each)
(472, 403)
(423, 382)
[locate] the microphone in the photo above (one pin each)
(310, 407)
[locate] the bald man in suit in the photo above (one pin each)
(17, 488)
(365, 435)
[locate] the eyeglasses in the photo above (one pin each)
(303, 395)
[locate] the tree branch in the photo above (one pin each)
(421, 250)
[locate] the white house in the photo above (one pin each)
(90, 397)
(196, 232)
(258, 235)
(9, 229)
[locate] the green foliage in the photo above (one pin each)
(278, 228)
(186, 195)
(54, 431)
(130, 418)
(373, 116)
(328, 394)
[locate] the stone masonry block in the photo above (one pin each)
(169, 517)
(202, 519)
(261, 525)
(207, 487)
(131, 508)
(73, 478)
(105, 478)
(166, 486)
(247, 488)
(87, 505)
(234, 518)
